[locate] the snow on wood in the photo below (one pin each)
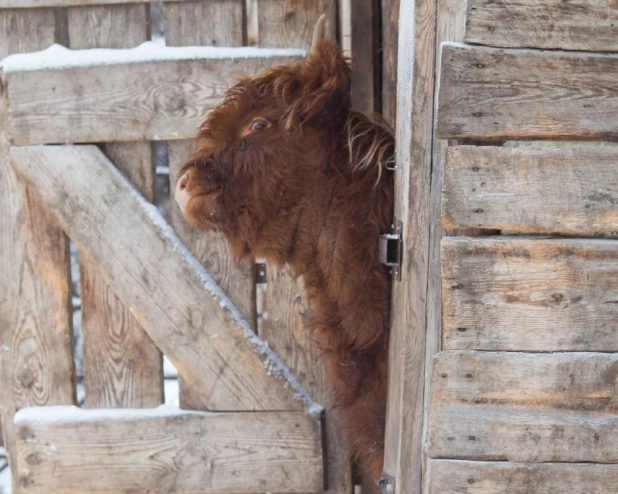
(58, 57)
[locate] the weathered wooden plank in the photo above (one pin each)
(415, 83)
(70, 450)
(108, 26)
(449, 27)
(561, 381)
(193, 23)
(122, 367)
(565, 190)
(35, 296)
(290, 24)
(166, 289)
(522, 433)
(286, 312)
(163, 98)
(530, 294)
(24, 31)
(390, 32)
(212, 250)
(364, 50)
(490, 92)
(468, 477)
(573, 25)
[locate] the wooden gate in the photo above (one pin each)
(249, 421)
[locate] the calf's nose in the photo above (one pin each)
(182, 194)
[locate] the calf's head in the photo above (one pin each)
(261, 151)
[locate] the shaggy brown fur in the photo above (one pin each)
(287, 171)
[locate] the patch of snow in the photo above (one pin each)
(169, 369)
(171, 392)
(5, 481)
(64, 414)
(59, 57)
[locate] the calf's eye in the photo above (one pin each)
(259, 124)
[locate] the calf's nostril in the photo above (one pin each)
(182, 183)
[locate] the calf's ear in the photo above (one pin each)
(317, 90)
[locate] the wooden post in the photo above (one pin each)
(35, 319)
(415, 86)
(122, 367)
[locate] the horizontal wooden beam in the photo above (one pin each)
(175, 300)
(70, 450)
(150, 92)
(28, 4)
(494, 93)
(575, 381)
(534, 294)
(526, 433)
(480, 477)
(564, 189)
(573, 25)
(524, 407)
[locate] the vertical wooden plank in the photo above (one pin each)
(211, 249)
(289, 23)
(122, 367)
(284, 327)
(216, 22)
(24, 30)
(35, 296)
(390, 31)
(415, 88)
(285, 310)
(108, 26)
(35, 315)
(363, 55)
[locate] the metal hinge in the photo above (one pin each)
(260, 272)
(386, 483)
(390, 249)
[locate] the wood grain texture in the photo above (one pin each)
(212, 250)
(286, 313)
(565, 190)
(124, 102)
(167, 291)
(289, 23)
(194, 23)
(551, 381)
(468, 477)
(522, 433)
(35, 317)
(163, 450)
(108, 26)
(490, 92)
(449, 27)
(390, 32)
(415, 84)
(26, 31)
(122, 367)
(555, 24)
(530, 294)
(364, 58)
